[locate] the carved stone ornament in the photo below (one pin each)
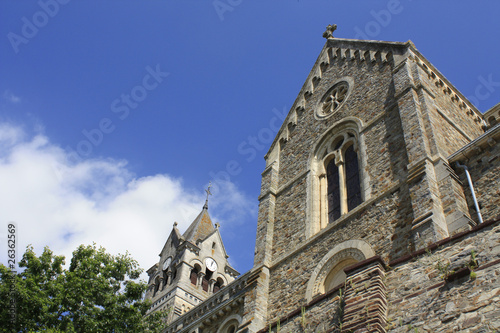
(333, 99)
(329, 31)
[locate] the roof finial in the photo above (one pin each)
(208, 193)
(329, 31)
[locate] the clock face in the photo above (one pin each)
(211, 264)
(167, 263)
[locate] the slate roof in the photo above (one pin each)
(201, 227)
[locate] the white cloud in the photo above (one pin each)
(9, 96)
(62, 204)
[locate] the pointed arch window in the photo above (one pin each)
(342, 178)
(332, 176)
(338, 180)
(353, 185)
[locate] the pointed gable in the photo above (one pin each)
(341, 50)
(173, 239)
(201, 227)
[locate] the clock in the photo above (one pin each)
(211, 264)
(167, 262)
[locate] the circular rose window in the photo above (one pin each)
(333, 99)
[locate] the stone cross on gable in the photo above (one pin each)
(329, 31)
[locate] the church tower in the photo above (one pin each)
(358, 171)
(192, 267)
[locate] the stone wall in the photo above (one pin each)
(429, 294)
(323, 314)
(453, 286)
(485, 170)
(452, 118)
(382, 157)
(380, 222)
(368, 99)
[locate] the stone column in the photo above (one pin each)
(200, 279)
(323, 201)
(162, 285)
(169, 277)
(211, 284)
(365, 297)
(339, 162)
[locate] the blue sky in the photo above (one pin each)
(115, 115)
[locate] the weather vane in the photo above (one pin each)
(329, 31)
(208, 193)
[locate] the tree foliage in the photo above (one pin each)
(99, 292)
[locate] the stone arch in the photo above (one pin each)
(195, 261)
(357, 250)
(223, 279)
(230, 322)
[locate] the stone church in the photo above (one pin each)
(379, 211)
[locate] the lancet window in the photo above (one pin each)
(337, 184)
(342, 177)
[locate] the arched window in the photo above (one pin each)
(342, 176)
(353, 185)
(337, 179)
(218, 285)
(205, 281)
(329, 273)
(157, 285)
(194, 276)
(332, 176)
(337, 276)
(230, 325)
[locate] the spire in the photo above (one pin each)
(200, 228)
(202, 225)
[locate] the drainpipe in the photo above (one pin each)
(480, 218)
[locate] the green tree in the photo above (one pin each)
(99, 292)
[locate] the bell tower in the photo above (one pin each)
(191, 268)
